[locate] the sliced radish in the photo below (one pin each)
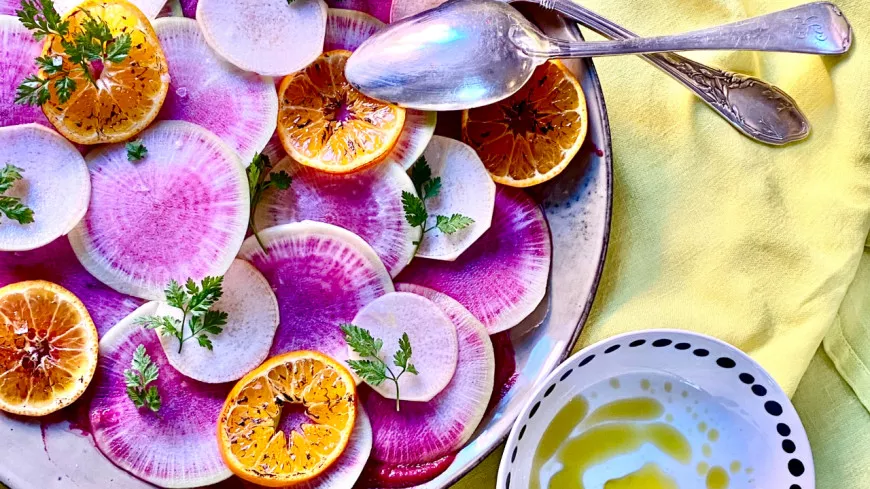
(247, 337)
(188, 8)
(148, 7)
(241, 108)
(56, 262)
(55, 185)
(379, 9)
(179, 213)
(274, 150)
(418, 131)
(503, 276)
(406, 8)
(468, 189)
(322, 276)
(174, 447)
(432, 336)
(19, 50)
(9, 7)
(368, 203)
(270, 38)
(424, 432)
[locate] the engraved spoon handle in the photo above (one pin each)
(757, 109)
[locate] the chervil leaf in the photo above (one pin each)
(281, 180)
(12, 207)
(9, 174)
(41, 17)
(141, 359)
(204, 342)
(175, 295)
(452, 224)
(33, 91)
(255, 170)
(50, 65)
(131, 379)
(371, 367)
(152, 399)
(64, 86)
(142, 372)
(203, 298)
(403, 354)
(415, 210)
(135, 150)
(135, 395)
(420, 174)
(119, 48)
(411, 369)
(361, 341)
(373, 372)
(431, 188)
(213, 320)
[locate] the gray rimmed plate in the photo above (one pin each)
(55, 455)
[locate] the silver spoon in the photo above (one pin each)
(756, 108)
(469, 53)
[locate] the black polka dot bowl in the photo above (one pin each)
(658, 408)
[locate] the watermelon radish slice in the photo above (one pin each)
(174, 447)
(379, 9)
(55, 185)
(432, 336)
(368, 203)
(19, 50)
(241, 108)
(406, 8)
(503, 276)
(444, 424)
(468, 189)
(188, 8)
(322, 276)
(247, 337)
(270, 38)
(148, 7)
(179, 213)
(56, 262)
(347, 29)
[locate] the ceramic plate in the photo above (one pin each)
(674, 407)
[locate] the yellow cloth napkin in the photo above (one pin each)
(713, 232)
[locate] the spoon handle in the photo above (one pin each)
(757, 109)
(814, 28)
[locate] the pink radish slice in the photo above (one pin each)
(9, 7)
(19, 50)
(179, 213)
(433, 339)
(55, 185)
(246, 338)
(322, 276)
(379, 9)
(368, 203)
(148, 7)
(241, 108)
(347, 469)
(406, 8)
(274, 150)
(503, 276)
(188, 8)
(174, 447)
(347, 29)
(386, 475)
(467, 189)
(270, 38)
(444, 424)
(56, 262)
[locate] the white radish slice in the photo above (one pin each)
(179, 213)
(174, 447)
(56, 262)
(503, 276)
(433, 341)
(406, 8)
(19, 50)
(271, 38)
(424, 432)
(241, 108)
(379, 9)
(55, 185)
(368, 203)
(322, 276)
(467, 189)
(245, 340)
(347, 29)
(148, 7)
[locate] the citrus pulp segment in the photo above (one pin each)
(263, 444)
(114, 101)
(531, 136)
(179, 213)
(48, 348)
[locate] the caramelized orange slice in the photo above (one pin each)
(531, 136)
(48, 348)
(123, 97)
(289, 420)
(325, 123)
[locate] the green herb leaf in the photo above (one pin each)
(41, 17)
(280, 180)
(33, 91)
(371, 367)
(11, 207)
(119, 48)
(431, 188)
(204, 342)
(257, 184)
(452, 224)
(361, 341)
(415, 210)
(9, 174)
(420, 174)
(371, 371)
(175, 295)
(142, 372)
(195, 302)
(136, 150)
(64, 87)
(50, 65)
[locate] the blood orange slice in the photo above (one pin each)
(531, 136)
(289, 420)
(48, 348)
(326, 124)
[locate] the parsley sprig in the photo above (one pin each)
(142, 372)
(195, 302)
(257, 184)
(415, 205)
(91, 44)
(12, 207)
(135, 150)
(372, 368)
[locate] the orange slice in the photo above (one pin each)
(325, 123)
(531, 136)
(48, 348)
(316, 391)
(125, 96)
